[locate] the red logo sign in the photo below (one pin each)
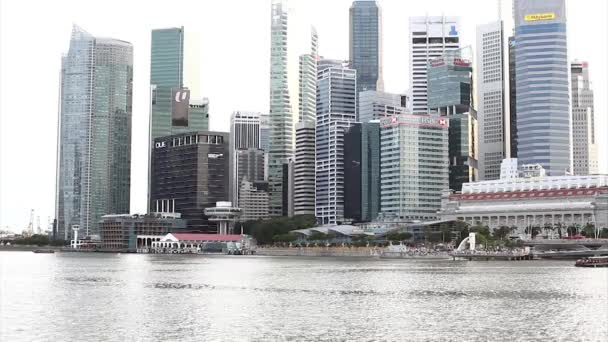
(442, 122)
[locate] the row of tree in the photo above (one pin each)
(37, 240)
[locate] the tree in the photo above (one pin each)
(588, 230)
(402, 236)
(501, 232)
(264, 230)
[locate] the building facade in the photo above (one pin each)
(413, 166)
(370, 170)
(308, 81)
(175, 107)
(191, 171)
(544, 131)
(254, 200)
(249, 165)
(450, 95)
(512, 100)
(352, 173)
(336, 101)
(522, 199)
(283, 101)
(492, 100)
(584, 144)
(304, 169)
(365, 42)
(132, 232)
(245, 133)
(374, 105)
(94, 133)
(431, 37)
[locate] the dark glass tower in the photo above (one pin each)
(365, 40)
(352, 173)
(189, 174)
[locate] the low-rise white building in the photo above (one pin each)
(529, 198)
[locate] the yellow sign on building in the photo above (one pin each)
(539, 16)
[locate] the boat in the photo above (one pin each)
(43, 251)
(600, 261)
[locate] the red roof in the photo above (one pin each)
(528, 194)
(207, 237)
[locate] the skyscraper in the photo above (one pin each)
(308, 81)
(450, 94)
(365, 40)
(94, 134)
(584, 143)
(492, 106)
(245, 133)
(512, 100)
(544, 133)
(430, 38)
(174, 107)
(352, 173)
(190, 173)
(336, 98)
(304, 169)
(283, 102)
(414, 158)
(370, 170)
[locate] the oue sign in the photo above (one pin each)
(160, 144)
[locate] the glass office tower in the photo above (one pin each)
(94, 138)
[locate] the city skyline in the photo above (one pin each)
(38, 193)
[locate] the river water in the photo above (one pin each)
(128, 297)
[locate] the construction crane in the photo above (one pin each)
(30, 227)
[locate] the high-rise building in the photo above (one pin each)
(512, 100)
(175, 106)
(374, 105)
(352, 173)
(94, 133)
(336, 100)
(308, 81)
(492, 105)
(584, 144)
(189, 174)
(304, 169)
(283, 101)
(365, 41)
(370, 170)
(414, 158)
(249, 164)
(430, 38)
(544, 134)
(245, 133)
(253, 200)
(288, 188)
(450, 95)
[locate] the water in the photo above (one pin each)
(127, 297)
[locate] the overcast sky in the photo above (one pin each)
(234, 67)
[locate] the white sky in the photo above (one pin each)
(234, 66)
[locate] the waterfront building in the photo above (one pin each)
(190, 170)
(304, 169)
(492, 100)
(131, 233)
(283, 101)
(308, 81)
(370, 170)
(175, 103)
(336, 99)
(245, 133)
(94, 132)
(527, 197)
(413, 171)
(365, 44)
(253, 197)
(450, 95)
(430, 38)
(544, 129)
(352, 173)
(512, 100)
(209, 243)
(584, 143)
(224, 215)
(288, 188)
(374, 105)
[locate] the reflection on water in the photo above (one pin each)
(174, 297)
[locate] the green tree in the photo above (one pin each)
(399, 236)
(501, 232)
